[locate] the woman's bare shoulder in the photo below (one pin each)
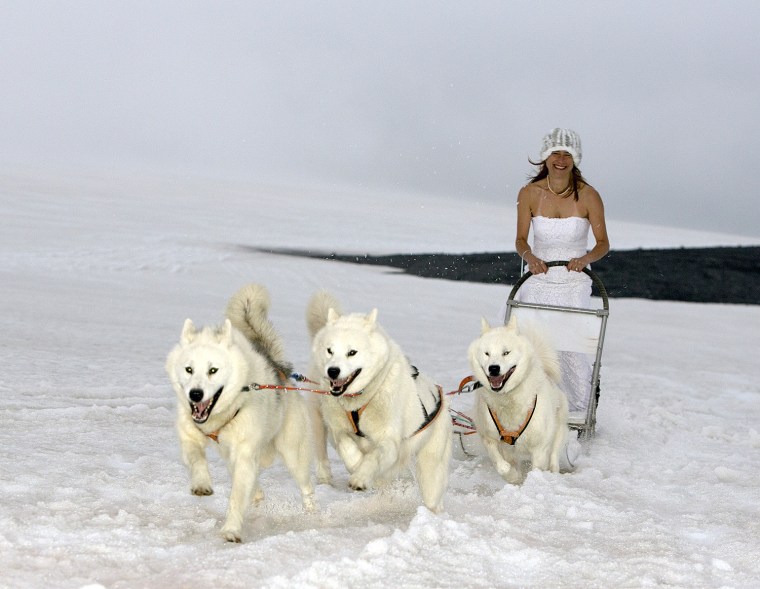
(532, 188)
(589, 194)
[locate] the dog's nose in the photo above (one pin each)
(333, 372)
(494, 370)
(196, 395)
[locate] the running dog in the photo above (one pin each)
(380, 413)
(213, 371)
(520, 410)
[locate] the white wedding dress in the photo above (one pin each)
(562, 239)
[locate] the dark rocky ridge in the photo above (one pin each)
(706, 275)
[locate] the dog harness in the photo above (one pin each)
(246, 389)
(215, 435)
(510, 437)
(353, 416)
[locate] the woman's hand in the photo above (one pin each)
(577, 264)
(535, 264)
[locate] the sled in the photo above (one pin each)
(572, 329)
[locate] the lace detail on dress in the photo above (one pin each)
(558, 239)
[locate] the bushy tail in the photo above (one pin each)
(248, 311)
(545, 351)
(316, 311)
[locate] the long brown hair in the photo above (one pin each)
(577, 179)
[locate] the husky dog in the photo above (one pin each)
(521, 412)
(381, 414)
(213, 371)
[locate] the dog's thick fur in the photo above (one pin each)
(516, 367)
(211, 370)
(366, 372)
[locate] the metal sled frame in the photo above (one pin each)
(587, 427)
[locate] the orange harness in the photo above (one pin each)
(353, 416)
(246, 389)
(511, 437)
(215, 435)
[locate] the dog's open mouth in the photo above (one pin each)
(497, 382)
(338, 386)
(202, 411)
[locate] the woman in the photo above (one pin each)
(560, 206)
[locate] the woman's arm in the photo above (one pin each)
(524, 214)
(595, 209)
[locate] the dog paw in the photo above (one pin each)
(202, 490)
(231, 536)
(357, 485)
(309, 504)
(510, 474)
(513, 477)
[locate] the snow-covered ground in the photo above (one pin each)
(97, 274)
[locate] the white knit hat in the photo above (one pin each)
(562, 140)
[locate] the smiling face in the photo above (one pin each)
(202, 372)
(560, 162)
(498, 358)
(348, 353)
(201, 366)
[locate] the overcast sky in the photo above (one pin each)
(448, 97)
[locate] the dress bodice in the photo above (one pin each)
(560, 238)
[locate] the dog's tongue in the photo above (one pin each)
(497, 381)
(338, 385)
(199, 409)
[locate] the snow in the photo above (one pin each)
(100, 270)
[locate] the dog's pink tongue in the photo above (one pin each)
(200, 408)
(497, 381)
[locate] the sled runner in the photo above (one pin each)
(571, 329)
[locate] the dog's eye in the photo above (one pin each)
(329, 351)
(189, 369)
(351, 353)
(505, 353)
(488, 354)
(213, 370)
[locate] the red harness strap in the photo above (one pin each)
(511, 437)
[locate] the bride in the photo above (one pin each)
(560, 207)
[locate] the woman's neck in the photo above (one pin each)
(558, 183)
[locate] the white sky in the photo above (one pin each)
(439, 97)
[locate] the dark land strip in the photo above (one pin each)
(704, 275)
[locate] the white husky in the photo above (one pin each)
(521, 412)
(212, 371)
(380, 416)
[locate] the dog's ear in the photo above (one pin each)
(513, 323)
(188, 331)
(226, 331)
(484, 325)
(372, 317)
(332, 315)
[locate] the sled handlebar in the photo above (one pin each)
(590, 273)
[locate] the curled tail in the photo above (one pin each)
(316, 310)
(248, 311)
(547, 355)
(545, 352)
